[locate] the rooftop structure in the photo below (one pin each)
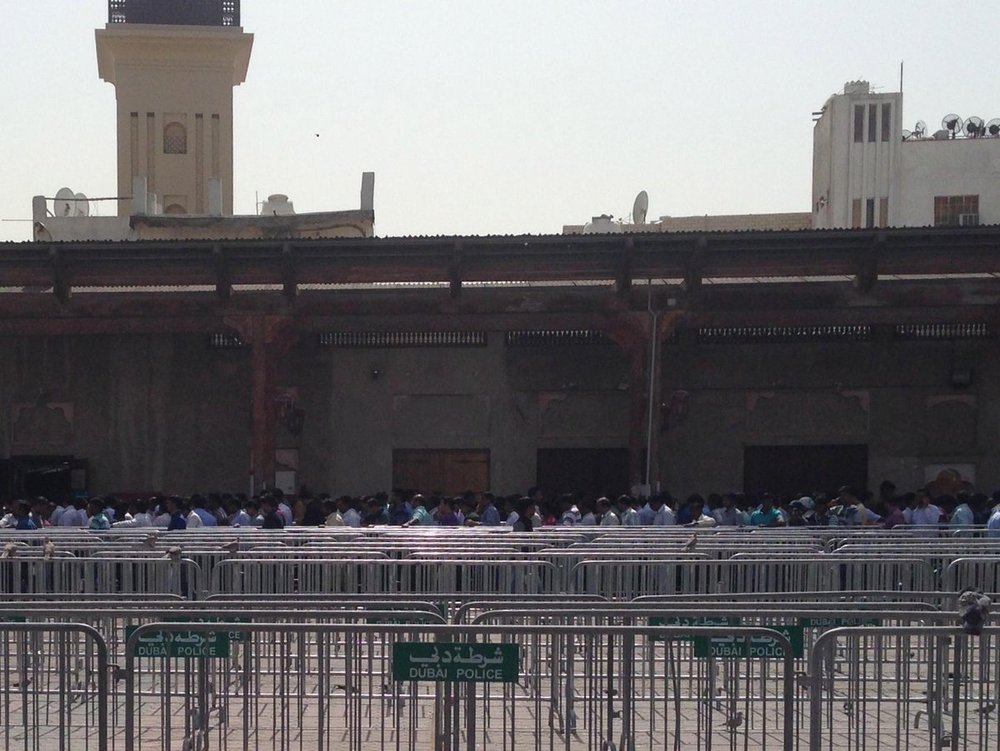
(174, 64)
(871, 171)
(175, 12)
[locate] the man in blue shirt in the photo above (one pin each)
(767, 515)
(399, 510)
(178, 517)
(489, 516)
(993, 525)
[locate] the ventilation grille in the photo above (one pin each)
(226, 341)
(400, 339)
(556, 337)
(781, 334)
(942, 331)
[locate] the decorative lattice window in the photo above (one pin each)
(175, 139)
(548, 337)
(401, 339)
(783, 334)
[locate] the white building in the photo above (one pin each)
(870, 172)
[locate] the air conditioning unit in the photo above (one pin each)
(968, 220)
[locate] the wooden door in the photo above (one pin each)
(450, 471)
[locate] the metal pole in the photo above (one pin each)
(653, 337)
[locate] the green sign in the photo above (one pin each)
(462, 663)
(234, 636)
(837, 622)
(754, 647)
(13, 619)
(683, 621)
(185, 644)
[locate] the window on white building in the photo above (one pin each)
(956, 211)
(859, 123)
(886, 122)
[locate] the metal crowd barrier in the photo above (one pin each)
(96, 576)
(356, 576)
(904, 688)
(626, 580)
(55, 687)
(449, 688)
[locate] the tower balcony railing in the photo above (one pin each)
(175, 12)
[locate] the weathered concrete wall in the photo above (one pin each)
(169, 413)
(150, 413)
(896, 397)
(510, 401)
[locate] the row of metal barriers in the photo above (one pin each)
(621, 576)
(818, 671)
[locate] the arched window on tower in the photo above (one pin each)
(175, 139)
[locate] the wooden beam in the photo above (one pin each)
(223, 285)
(290, 287)
(60, 282)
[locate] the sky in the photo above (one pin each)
(515, 117)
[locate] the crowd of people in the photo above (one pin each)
(273, 510)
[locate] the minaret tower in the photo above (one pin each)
(174, 64)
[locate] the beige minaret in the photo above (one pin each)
(174, 64)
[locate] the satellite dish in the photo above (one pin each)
(640, 207)
(82, 205)
(974, 127)
(907, 135)
(993, 127)
(920, 129)
(953, 124)
(65, 203)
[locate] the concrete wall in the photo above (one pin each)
(150, 413)
(167, 413)
(896, 397)
(511, 401)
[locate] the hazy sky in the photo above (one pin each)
(483, 117)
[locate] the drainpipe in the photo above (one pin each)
(653, 339)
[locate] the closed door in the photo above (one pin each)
(593, 472)
(794, 470)
(451, 471)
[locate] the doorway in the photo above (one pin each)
(58, 478)
(448, 471)
(593, 472)
(796, 470)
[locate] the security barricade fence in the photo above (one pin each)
(289, 674)
(422, 687)
(625, 580)
(407, 576)
(70, 576)
(55, 690)
(908, 687)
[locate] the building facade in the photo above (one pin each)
(868, 171)
(453, 363)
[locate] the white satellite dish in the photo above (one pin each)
(82, 205)
(640, 207)
(64, 203)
